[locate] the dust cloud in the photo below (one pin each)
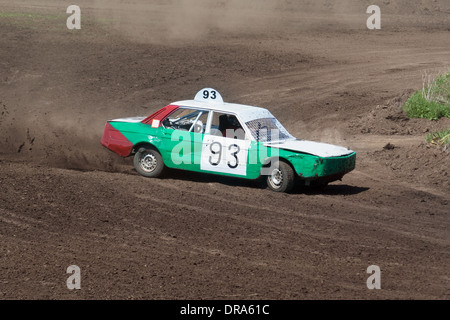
(178, 21)
(186, 20)
(57, 92)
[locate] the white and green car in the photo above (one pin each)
(208, 135)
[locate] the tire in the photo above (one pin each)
(148, 163)
(282, 178)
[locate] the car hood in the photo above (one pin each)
(315, 148)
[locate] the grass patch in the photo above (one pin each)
(34, 21)
(441, 138)
(29, 15)
(433, 101)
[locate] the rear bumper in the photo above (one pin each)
(115, 141)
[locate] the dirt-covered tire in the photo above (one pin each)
(282, 178)
(148, 162)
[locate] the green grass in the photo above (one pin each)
(28, 15)
(32, 21)
(433, 101)
(441, 138)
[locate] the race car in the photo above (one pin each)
(209, 135)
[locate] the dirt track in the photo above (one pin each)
(66, 200)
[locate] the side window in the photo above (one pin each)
(187, 120)
(200, 124)
(226, 125)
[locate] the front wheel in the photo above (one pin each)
(148, 162)
(282, 178)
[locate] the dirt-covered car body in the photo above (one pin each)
(209, 135)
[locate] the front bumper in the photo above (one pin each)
(329, 169)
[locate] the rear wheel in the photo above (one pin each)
(282, 178)
(148, 162)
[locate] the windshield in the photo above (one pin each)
(268, 130)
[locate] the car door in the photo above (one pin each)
(183, 136)
(224, 146)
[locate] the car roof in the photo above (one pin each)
(225, 106)
(203, 100)
(244, 112)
